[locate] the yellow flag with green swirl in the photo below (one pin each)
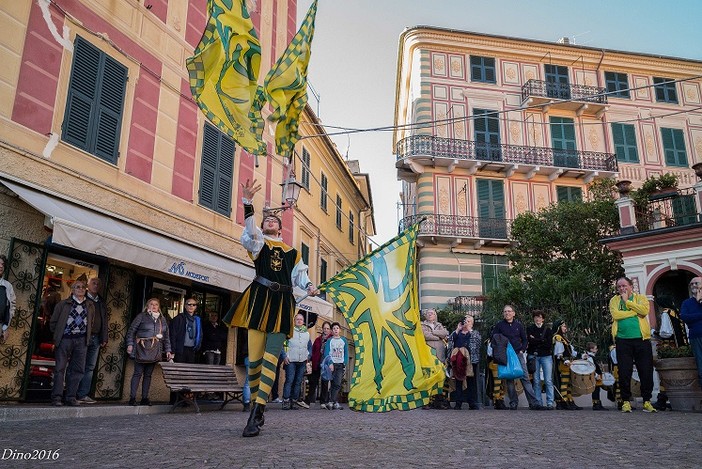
(394, 368)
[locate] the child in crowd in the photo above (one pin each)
(338, 349)
(590, 356)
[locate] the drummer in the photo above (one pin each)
(563, 352)
(590, 356)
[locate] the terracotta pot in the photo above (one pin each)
(679, 376)
(624, 187)
(698, 169)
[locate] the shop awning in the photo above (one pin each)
(313, 304)
(99, 233)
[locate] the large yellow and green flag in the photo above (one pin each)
(224, 72)
(285, 86)
(394, 367)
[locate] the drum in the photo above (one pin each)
(608, 379)
(582, 377)
(635, 384)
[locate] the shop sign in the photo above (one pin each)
(181, 268)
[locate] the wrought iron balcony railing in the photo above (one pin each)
(470, 305)
(668, 210)
(458, 226)
(439, 147)
(545, 89)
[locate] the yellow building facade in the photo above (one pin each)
(494, 126)
(109, 169)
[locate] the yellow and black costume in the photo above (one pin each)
(266, 308)
(563, 352)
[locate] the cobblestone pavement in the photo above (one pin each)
(346, 439)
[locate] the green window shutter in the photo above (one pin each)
(684, 210)
(225, 175)
(674, 147)
(305, 253)
(323, 271)
(110, 107)
(630, 142)
(82, 92)
(491, 209)
(95, 102)
(483, 189)
(208, 167)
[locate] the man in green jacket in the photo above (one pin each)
(632, 335)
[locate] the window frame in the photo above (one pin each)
(679, 136)
(339, 214)
(305, 169)
(665, 92)
(619, 85)
(351, 228)
(221, 172)
(490, 261)
(622, 147)
(324, 192)
(480, 68)
(94, 112)
(569, 194)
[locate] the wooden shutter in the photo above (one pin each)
(109, 110)
(82, 92)
(225, 175)
(208, 166)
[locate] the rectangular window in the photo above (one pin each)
(351, 228)
(305, 253)
(624, 137)
(482, 69)
(563, 142)
(491, 267)
(665, 90)
(305, 169)
(569, 194)
(487, 135)
(491, 209)
(338, 211)
(95, 102)
(323, 195)
(617, 84)
(217, 170)
(557, 83)
(674, 147)
(322, 271)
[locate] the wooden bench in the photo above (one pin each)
(189, 379)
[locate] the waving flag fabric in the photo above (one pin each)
(394, 366)
(285, 86)
(224, 74)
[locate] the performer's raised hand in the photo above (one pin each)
(312, 290)
(250, 188)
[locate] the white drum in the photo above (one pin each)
(582, 377)
(608, 379)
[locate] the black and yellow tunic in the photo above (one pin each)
(259, 307)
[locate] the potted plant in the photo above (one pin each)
(677, 370)
(661, 186)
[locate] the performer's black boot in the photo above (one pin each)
(251, 428)
(258, 417)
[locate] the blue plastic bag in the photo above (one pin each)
(324, 368)
(513, 368)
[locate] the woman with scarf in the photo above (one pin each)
(298, 350)
(563, 353)
(149, 330)
(465, 374)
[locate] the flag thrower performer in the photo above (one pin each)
(267, 306)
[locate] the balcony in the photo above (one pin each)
(668, 210)
(458, 229)
(418, 151)
(582, 99)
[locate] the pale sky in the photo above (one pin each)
(354, 58)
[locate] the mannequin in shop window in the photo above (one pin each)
(267, 306)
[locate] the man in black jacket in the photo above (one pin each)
(96, 341)
(516, 334)
(539, 337)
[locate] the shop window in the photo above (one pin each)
(95, 102)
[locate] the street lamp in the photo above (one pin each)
(291, 192)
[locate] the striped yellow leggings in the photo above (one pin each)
(264, 349)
